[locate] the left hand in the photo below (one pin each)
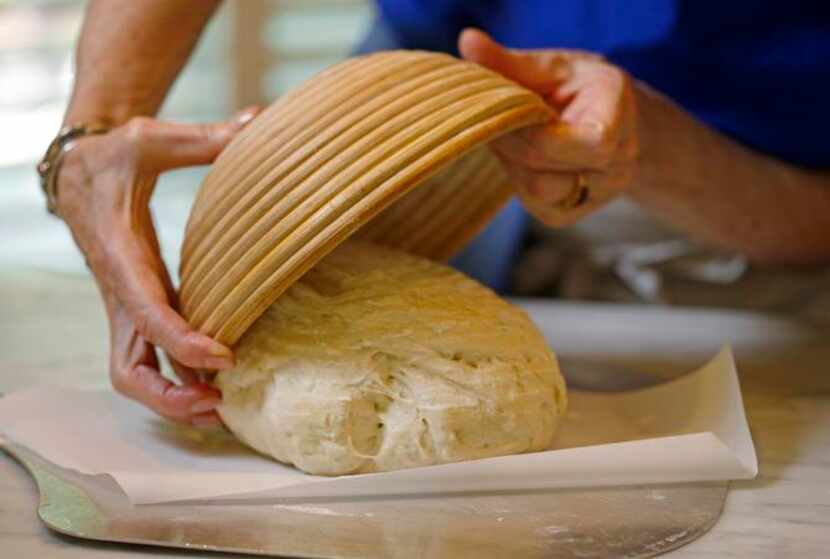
(106, 182)
(585, 157)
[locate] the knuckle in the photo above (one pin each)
(119, 378)
(203, 132)
(554, 62)
(216, 131)
(142, 321)
(165, 406)
(137, 130)
(212, 133)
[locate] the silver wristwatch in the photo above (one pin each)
(50, 164)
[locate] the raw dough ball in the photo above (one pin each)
(378, 360)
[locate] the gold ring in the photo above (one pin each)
(578, 194)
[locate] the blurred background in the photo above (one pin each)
(253, 51)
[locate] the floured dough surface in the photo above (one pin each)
(378, 360)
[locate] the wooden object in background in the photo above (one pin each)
(250, 57)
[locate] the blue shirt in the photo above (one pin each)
(756, 70)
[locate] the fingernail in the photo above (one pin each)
(245, 116)
(218, 350)
(205, 405)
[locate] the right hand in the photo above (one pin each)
(104, 190)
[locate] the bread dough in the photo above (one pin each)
(378, 360)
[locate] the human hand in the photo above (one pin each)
(588, 154)
(104, 191)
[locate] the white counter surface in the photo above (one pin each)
(52, 326)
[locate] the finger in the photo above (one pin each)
(176, 402)
(137, 281)
(541, 71)
(544, 188)
(543, 193)
(588, 93)
(184, 373)
(131, 267)
(559, 146)
(597, 92)
(601, 188)
(554, 147)
(134, 372)
(552, 188)
(589, 130)
(169, 145)
(141, 252)
(210, 420)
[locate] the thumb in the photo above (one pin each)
(170, 145)
(541, 71)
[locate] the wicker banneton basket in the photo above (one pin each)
(345, 152)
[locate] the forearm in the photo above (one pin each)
(129, 54)
(724, 194)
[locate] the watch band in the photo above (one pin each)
(49, 166)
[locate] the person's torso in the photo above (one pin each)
(758, 70)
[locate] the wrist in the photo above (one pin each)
(648, 138)
(50, 166)
(113, 108)
(109, 116)
(72, 182)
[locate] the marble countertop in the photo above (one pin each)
(53, 326)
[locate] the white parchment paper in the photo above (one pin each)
(689, 429)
